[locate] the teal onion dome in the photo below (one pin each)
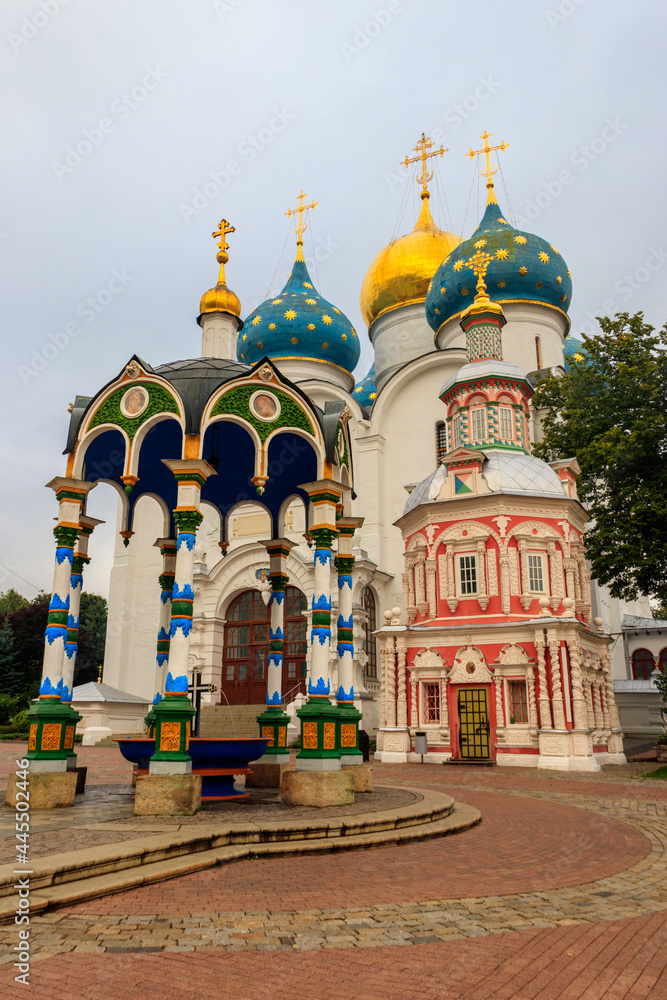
(365, 391)
(573, 350)
(299, 323)
(523, 268)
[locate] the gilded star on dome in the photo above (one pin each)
(336, 310)
(276, 302)
(260, 344)
(569, 273)
(464, 291)
(245, 336)
(563, 297)
(539, 284)
(290, 314)
(311, 326)
(544, 257)
(437, 310)
(520, 239)
(458, 265)
(501, 284)
(294, 340)
(372, 395)
(307, 284)
(504, 222)
(501, 254)
(354, 332)
(343, 336)
(272, 326)
(359, 389)
(327, 319)
(325, 345)
(559, 280)
(554, 248)
(443, 291)
(243, 356)
(523, 270)
(578, 357)
(311, 302)
(257, 319)
(480, 243)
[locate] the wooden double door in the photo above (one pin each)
(246, 649)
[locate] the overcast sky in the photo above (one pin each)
(130, 127)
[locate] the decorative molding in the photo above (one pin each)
(470, 667)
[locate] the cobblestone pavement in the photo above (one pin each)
(560, 893)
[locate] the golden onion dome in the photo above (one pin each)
(221, 298)
(402, 271)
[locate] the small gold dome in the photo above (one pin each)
(402, 272)
(220, 299)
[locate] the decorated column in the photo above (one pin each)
(174, 711)
(320, 749)
(556, 683)
(348, 724)
(167, 547)
(273, 721)
(52, 721)
(81, 558)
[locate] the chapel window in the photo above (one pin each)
(662, 660)
(538, 352)
(518, 702)
(506, 423)
(456, 430)
(478, 424)
(440, 441)
(642, 664)
(468, 574)
(535, 577)
(432, 702)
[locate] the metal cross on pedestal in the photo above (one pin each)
(195, 690)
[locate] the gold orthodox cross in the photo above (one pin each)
(422, 149)
(487, 150)
(301, 224)
(223, 229)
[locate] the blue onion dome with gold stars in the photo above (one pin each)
(365, 391)
(522, 268)
(299, 323)
(573, 350)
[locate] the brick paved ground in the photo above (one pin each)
(561, 893)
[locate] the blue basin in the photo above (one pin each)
(234, 755)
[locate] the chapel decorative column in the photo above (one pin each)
(320, 750)
(394, 732)
(556, 682)
(52, 722)
(273, 722)
(349, 716)
(174, 711)
(80, 559)
(168, 550)
(544, 702)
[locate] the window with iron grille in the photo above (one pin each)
(432, 702)
(518, 701)
(370, 647)
(535, 579)
(468, 570)
(440, 441)
(506, 423)
(478, 424)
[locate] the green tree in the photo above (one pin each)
(28, 624)
(12, 681)
(609, 410)
(11, 600)
(92, 637)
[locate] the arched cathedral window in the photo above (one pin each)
(642, 664)
(440, 441)
(370, 625)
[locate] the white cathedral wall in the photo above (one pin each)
(134, 606)
(399, 337)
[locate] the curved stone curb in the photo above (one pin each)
(64, 879)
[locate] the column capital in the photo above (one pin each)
(279, 546)
(324, 486)
(190, 470)
(73, 489)
(348, 525)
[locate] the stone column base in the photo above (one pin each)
(395, 745)
(267, 774)
(362, 775)
(47, 789)
(169, 766)
(318, 788)
(95, 734)
(566, 750)
(167, 795)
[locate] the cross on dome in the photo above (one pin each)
(301, 224)
(487, 150)
(423, 145)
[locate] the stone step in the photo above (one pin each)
(223, 720)
(92, 872)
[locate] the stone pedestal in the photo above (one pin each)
(47, 790)
(395, 745)
(267, 774)
(362, 775)
(318, 788)
(167, 795)
(566, 750)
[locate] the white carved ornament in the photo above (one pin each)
(513, 654)
(429, 658)
(470, 667)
